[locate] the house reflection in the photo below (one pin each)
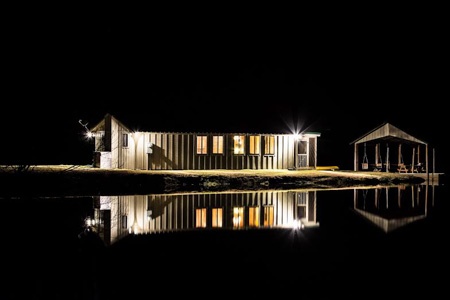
(390, 208)
(118, 216)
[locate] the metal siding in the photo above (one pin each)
(282, 153)
(287, 152)
(176, 151)
(156, 152)
(113, 142)
(160, 153)
(385, 131)
(179, 151)
(191, 153)
(227, 162)
(169, 156)
(164, 152)
(185, 152)
(140, 152)
(146, 155)
(151, 157)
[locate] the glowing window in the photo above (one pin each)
(239, 144)
(217, 144)
(200, 218)
(217, 217)
(253, 216)
(254, 144)
(269, 145)
(202, 144)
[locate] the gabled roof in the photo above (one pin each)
(388, 225)
(101, 125)
(388, 132)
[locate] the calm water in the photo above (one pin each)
(370, 243)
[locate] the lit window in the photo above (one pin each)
(217, 144)
(269, 145)
(238, 217)
(253, 216)
(255, 144)
(239, 144)
(217, 218)
(125, 140)
(202, 144)
(200, 218)
(268, 216)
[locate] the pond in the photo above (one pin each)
(313, 244)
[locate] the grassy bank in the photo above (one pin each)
(69, 180)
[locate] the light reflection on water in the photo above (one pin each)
(308, 242)
(388, 208)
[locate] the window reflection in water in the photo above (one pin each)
(146, 214)
(117, 216)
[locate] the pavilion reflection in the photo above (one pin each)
(390, 208)
(118, 216)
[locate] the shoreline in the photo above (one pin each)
(70, 180)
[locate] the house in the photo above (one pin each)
(118, 147)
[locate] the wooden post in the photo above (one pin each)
(387, 158)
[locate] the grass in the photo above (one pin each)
(43, 180)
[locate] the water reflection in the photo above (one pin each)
(317, 244)
(392, 207)
(115, 217)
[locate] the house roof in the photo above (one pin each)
(101, 125)
(388, 132)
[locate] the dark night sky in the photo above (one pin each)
(220, 74)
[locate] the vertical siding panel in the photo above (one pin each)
(152, 157)
(144, 152)
(191, 152)
(176, 152)
(280, 152)
(288, 152)
(157, 153)
(292, 157)
(161, 151)
(225, 163)
(169, 151)
(173, 151)
(180, 151)
(184, 151)
(173, 161)
(286, 155)
(165, 152)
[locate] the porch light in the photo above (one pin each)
(297, 136)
